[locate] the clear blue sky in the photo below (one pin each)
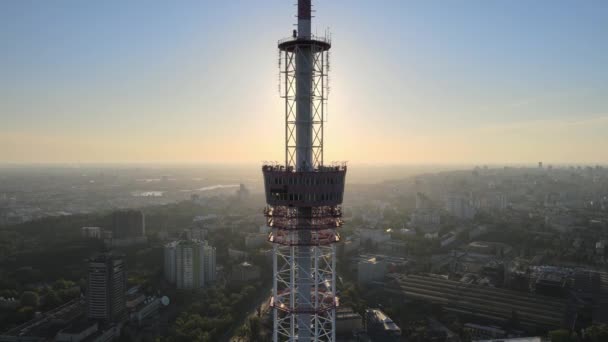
(196, 81)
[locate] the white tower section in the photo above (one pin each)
(304, 196)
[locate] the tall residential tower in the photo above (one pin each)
(303, 195)
(189, 264)
(106, 290)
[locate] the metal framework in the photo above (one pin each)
(304, 215)
(319, 65)
(304, 195)
(288, 307)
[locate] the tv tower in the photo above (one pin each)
(303, 195)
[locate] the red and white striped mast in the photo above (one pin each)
(303, 196)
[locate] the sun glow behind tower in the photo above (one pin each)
(304, 195)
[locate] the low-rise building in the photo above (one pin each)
(91, 232)
(148, 308)
(447, 239)
(394, 247)
(88, 331)
(134, 299)
(481, 332)
(350, 245)
(407, 232)
(78, 331)
(374, 236)
(380, 327)
(550, 284)
(369, 270)
(347, 321)
(244, 272)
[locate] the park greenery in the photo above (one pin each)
(210, 314)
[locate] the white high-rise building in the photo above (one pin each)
(189, 264)
(460, 206)
(169, 268)
(209, 254)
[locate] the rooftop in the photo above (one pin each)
(380, 317)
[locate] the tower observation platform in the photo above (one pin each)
(304, 195)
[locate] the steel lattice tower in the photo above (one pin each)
(303, 196)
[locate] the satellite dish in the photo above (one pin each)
(165, 301)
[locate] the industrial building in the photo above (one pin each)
(485, 304)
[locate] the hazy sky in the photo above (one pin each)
(411, 81)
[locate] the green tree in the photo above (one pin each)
(9, 293)
(62, 284)
(561, 335)
(25, 313)
(29, 298)
(242, 332)
(597, 332)
(51, 300)
(254, 326)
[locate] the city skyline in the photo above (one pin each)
(177, 171)
(474, 82)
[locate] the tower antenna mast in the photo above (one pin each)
(304, 195)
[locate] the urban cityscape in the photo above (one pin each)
(483, 247)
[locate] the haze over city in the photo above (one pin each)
(303, 171)
(428, 82)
